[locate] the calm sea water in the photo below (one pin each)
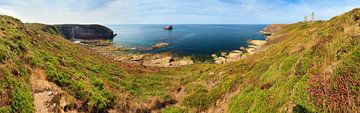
(186, 39)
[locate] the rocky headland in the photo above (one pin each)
(76, 31)
(272, 28)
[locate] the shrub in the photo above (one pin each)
(302, 67)
(3, 54)
(5, 109)
(22, 99)
(287, 64)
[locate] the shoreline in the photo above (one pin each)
(254, 46)
(121, 54)
(116, 53)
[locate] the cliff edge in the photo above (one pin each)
(76, 31)
(272, 28)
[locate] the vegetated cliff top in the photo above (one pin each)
(305, 67)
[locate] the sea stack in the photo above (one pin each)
(169, 27)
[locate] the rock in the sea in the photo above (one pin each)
(159, 45)
(75, 31)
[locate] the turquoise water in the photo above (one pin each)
(186, 39)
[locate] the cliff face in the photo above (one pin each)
(74, 31)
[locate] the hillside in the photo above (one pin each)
(305, 67)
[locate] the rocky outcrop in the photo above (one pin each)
(235, 55)
(272, 28)
(75, 31)
(118, 54)
(254, 46)
(226, 57)
(159, 45)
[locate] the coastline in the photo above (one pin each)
(120, 54)
(254, 46)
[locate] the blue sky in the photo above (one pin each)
(173, 11)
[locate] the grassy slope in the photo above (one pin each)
(306, 67)
(310, 67)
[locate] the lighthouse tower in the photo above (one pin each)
(312, 17)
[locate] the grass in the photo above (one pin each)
(174, 110)
(306, 67)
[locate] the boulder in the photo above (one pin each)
(181, 62)
(220, 60)
(223, 53)
(213, 55)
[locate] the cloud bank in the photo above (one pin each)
(173, 11)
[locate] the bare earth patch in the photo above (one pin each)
(48, 97)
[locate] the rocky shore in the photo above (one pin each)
(116, 53)
(235, 55)
(253, 47)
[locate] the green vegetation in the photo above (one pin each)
(307, 67)
(174, 110)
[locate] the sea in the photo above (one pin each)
(185, 40)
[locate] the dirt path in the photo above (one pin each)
(44, 93)
(40, 86)
(180, 92)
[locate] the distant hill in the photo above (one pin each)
(304, 67)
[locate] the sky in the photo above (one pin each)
(173, 11)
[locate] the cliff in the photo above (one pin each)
(273, 28)
(75, 31)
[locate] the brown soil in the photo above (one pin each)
(45, 94)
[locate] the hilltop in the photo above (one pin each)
(304, 67)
